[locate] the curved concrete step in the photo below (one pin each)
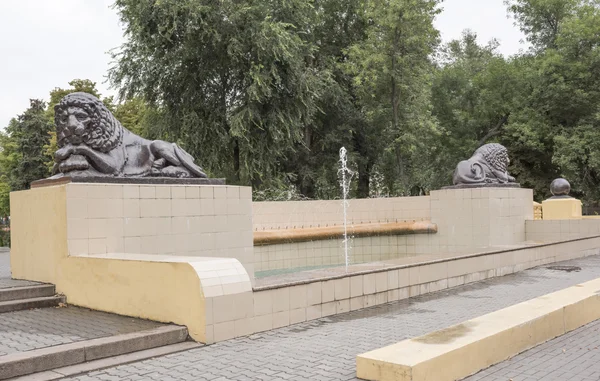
(66, 355)
(27, 292)
(26, 304)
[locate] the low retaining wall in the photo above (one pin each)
(283, 305)
(553, 230)
(76, 236)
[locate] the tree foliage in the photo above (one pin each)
(28, 134)
(265, 93)
(230, 80)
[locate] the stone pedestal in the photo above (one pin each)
(163, 220)
(474, 218)
(561, 209)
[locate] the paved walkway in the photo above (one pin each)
(571, 357)
(22, 331)
(326, 349)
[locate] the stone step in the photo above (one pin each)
(68, 355)
(109, 362)
(26, 304)
(26, 292)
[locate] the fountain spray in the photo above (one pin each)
(346, 176)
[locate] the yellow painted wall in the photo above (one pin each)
(561, 209)
(38, 233)
(160, 291)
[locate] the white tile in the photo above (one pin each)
(147, 191)
(131, 192)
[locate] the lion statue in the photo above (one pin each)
(488, 165)
(93, 143)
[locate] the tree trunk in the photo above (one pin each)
(306, 184)
(364, 181)
(236, 161)
(395, 96)
(496, 130)
(364, 165)
(307, 188)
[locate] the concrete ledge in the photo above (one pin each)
(26, 292)
(110, 362)
(484, 341)
(272, 237)
(26, 304)
(39, 360)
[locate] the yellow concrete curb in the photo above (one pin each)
(459, 351)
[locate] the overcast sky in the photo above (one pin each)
(46, 43)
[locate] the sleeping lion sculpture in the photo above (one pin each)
(488, 165)
(93, 143)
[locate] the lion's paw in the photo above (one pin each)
(173, 171)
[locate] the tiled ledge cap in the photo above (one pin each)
(272, 237)
(216, 275)
(352, 272)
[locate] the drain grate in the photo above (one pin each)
(564, 268)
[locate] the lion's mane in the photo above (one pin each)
(104, 133)
(495, 154)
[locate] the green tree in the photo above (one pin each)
(541, 20)
(392, 72)
(230, 80)
(475, 92)
(23, 159)
(572, 98)
(311, 165)
(132, 115)
(554, 133)
(9, 160)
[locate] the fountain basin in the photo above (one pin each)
(273, 237)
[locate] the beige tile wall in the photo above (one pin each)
(331, 252)
(467, 219)
(477, 218)
(287, 305)
(294, 214)
(204, 221)
(557, 230)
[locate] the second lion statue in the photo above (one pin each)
(488, 165)
(92, 142)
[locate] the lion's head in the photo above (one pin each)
(496, 155)
(82, 118)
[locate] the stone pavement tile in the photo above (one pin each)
(23, 331)
(326, 349)
(574, 356)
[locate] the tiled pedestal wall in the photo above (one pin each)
(480, 217)
(200, 220)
